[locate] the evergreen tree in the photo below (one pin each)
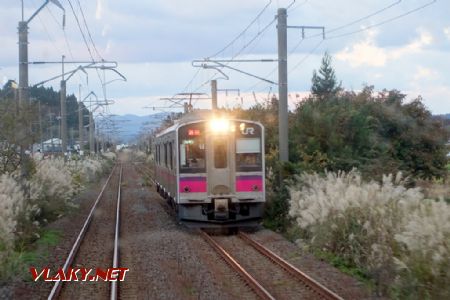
(324, 83)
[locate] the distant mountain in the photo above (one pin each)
(130, 126)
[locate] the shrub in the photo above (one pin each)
(11, 203)
(384, 228)
(109, 155)
(86, 170)
(51, 188)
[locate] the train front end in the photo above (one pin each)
(221, 180)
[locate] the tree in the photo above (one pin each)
(13, 133)
(377, 134)
(324, 83)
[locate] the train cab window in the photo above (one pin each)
(192, 149)
(248, 154)
(220, 153)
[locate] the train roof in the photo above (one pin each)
(198, 115)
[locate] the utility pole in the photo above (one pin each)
(63, 111)
(80, 119)
(283, 115)
(282, 86)
(91, 133)
(214, 94)
(41, 134)
(23, 62)
(24, 94)
(23, 51)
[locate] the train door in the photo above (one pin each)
(220, 168)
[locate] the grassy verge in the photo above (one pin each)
(15, 264)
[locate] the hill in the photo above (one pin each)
(130, 126)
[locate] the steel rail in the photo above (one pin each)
(57, 287)
(114, 284)
(315, 285)
(259, 289)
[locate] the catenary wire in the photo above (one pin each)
(384, 22)
(243, 31)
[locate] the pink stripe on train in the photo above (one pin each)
(249, 183)
(192, 185)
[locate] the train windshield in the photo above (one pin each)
(220, 153)
(192, 149)
(248, 148)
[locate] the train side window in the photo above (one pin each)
(165, 155)
(159, 154)
(171, 155)
(248, 154)
(156, 154)
(220, 153)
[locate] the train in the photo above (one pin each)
(210, 167)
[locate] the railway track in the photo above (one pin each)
(97, 244)
(269, 276)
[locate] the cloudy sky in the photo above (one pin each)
(390, 44)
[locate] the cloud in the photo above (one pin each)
(367, 53)
(447, 32)
(364, 53)
(99, 10)
(435, 97)
(423, 73)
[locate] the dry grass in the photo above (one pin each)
(400, 238)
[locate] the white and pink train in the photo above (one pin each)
(211, 170)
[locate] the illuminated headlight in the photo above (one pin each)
(220, 125)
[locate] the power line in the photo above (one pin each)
(350, 33)
(383, 22)
(276, 67)
(88, 31)
(357, 20)
(297, 6)
(69, 49)
(306, 56)
(81, 30)
(365, 17)
(243, 31)
(267, 26)
(254, 38)
(87, 46)
(259, 34)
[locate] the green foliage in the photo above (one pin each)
(377, 134)
(14, 133)
(48, 238)
(277, 205)
(324, 84)
(23, 128)
(345, 266)
(17, 262)
(50, 106)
